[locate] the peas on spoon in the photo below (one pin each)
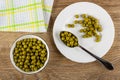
(70, 40)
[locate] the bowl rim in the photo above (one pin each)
(21, 38)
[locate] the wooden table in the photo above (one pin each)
(60, 68)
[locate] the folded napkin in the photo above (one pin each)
(47, 10)
(25, 15)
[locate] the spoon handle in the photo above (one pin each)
(107, 64)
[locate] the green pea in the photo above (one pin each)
(83, 25)
(21, 67)
(69, 35)
(80, 21)
(35, 69)
(23, 57)
(28, 57)
(17, 64)
(87, 29)
(89, 23)
(86, 25)
(34, 39)
(18, 43)
(62, 38)
(89, 16)
(28, 64)
(96, 26)
(22, 60)
(62, 35)
(38, 57)
(43, 61)
(86, 20)
(91, 28)
(40, 50)
(83, 15)
(89, 33)
(17, 54)
(19, 60)
(16, 47)
(30, 44)
(76, 44)
(16, 51)
(84, 36)
(15, 60)
(38, 63)
(21, 63)
(43, 46)
(76, 39)
(81, 30)
(42, 55)
(68, 44)
(97, 39)
(66, 33)
(23, 43)
(76, 16)
(41, 65)
(27, 70)
(99, 29)
(41, 58)
(33, 57)
(98, 36)
(36, 54)
(43, 51)
(20, 57)
(38, 41)
(70, 25)
(76, 22)
(27, 49)
(93, 23)
(32, 62)
(33, 51)
(67, 38)
(28, 54)
(84, 30)
(20, 46)
(96, 21)
(73, 37)
(25, 66)
(23, 53)
(25, 46)
(45, 58)
(26, 61)
(32, 66)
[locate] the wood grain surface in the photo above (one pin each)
(58, 67)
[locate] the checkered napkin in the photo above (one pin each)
(25, 15)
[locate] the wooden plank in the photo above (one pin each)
(58, 67)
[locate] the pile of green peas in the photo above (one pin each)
(90, 26)
(69, 39)
(30, 54)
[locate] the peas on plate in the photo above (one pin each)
(91, 26)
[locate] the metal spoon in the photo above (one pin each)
(107, 64)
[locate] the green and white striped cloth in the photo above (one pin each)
(25, 15)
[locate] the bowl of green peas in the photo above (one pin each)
(29, 54)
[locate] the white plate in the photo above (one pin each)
(76, 54)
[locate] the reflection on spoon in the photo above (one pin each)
(71, 40)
